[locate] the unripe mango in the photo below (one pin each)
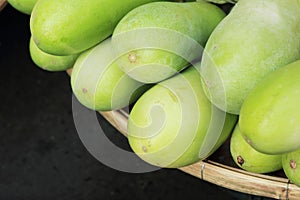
(173, 124)
(247, 158)
(291, 166)
(158, 39)
(254, 39)
(99, 84)
(270, 115)
(64, 27)
(24, 6)
(50, 62)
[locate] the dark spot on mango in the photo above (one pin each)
(144, 149)
(84, 90)
(293, 164)
(240, 160)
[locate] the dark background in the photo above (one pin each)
(41, 155)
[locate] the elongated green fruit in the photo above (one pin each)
(24, 6)
(254, 39)
(50, 62)
(291, 166)
(158, 39)
(63, 27)
(269, 118)
(173, 124)
(247, 158)
(99, 84)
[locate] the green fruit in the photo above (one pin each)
(249, 159)
(270, 116)
(254, 39)
(64, 27)
(24, 6)
(173, 124)
(157, 40)
(291, 166)
(99, 84)
(50, 62)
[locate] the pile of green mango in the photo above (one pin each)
(193, 74)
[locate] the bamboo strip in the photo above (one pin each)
(222, 175)
(229, 177)
(2, 4)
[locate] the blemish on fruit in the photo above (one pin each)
(248, 141)
(144, 149)
(132, 57)
(84, 90)
(240, 160)
(293, 164)
(208, 83)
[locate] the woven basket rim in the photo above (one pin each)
(222, 175)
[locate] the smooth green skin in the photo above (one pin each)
(170, 23)
(168, 124)
(254, 39)
(99, 84)
(270, 116)
(24, 6)
(254, 161)
(64, 27)
(293, 174)
(50, 62)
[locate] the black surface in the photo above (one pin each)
(41, 155)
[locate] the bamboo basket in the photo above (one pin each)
(221, 172)
(219, 169)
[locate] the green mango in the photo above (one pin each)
(291, 166)
(247, 158)
(254, 39)
(24, 6)
(173, 124)
(156, 40)
(50, 62)
(269, 118)
(64, 27)
(99, 84)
